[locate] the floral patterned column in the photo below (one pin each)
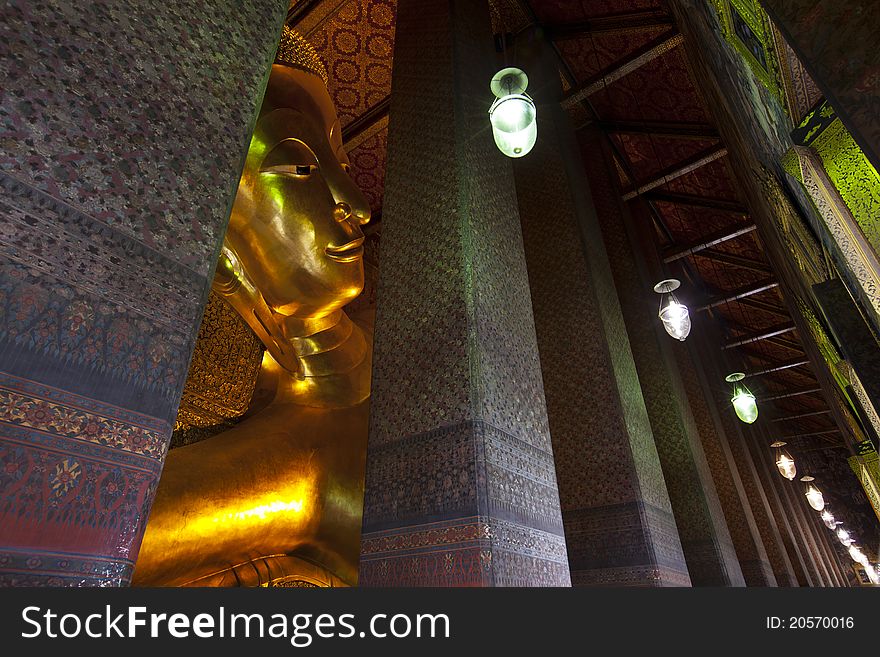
(125, 129)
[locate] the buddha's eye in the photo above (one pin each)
(290, 158)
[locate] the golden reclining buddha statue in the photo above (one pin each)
(278, 497)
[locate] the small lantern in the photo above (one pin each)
(829, 520)
(844, 537)
(784, 461)
(813, 494)
(513, 113)
(858, 556)
(743, 400)
(674, 314)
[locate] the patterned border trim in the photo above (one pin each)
(867, 470)
(465, 532)
(637, 577)
(841, 224)
(45, 568)
(33, 405)
(814, 124)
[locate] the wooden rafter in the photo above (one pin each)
(736, 260)
(692, 200)
(633, 21)
(739, 293)
(649, 52)
(661, 128)
(757, 336)
(706, 242)
(691, 164)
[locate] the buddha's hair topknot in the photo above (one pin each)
(296, 52)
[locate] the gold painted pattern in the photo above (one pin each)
(223, 370)
(847, 371)
(797, 238)
(867, 469)
(758, 21)
(857, 251)
(29, 411)
(854, 177)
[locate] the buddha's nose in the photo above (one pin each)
(342, 211)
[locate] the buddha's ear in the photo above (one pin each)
(232, 282)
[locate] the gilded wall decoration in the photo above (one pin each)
(855, 383)
(746, 27)
(837, 41)
(857, 251)
(853, 176)
(801, 243)
(867, 469)
(801, 91)
(223, 369)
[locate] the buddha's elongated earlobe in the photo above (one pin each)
(232, 281)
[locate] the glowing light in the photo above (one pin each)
(784, 461)
(813, 494)
(843, 536)
(674, 314)
(263, 510)
(828, 519)
(858, 556)
(513, 114)
(743, 400)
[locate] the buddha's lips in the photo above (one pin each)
(348, 252)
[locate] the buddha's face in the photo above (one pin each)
(295, 221)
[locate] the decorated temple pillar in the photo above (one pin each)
(127, 125)
(619, 525)
(796, 505)
(705, 360)
(780, 508)
(460, 485)
(770, 529)
(733, 495)
(708, 548)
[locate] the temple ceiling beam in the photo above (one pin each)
(793, 393)
(352, 133)
(720, 204)
(691, 164)
(632, 21)
(662, 128)
(801, 415)
(647, 53)
(757, 304)
(760, 335)
(736, 260)
(797, 362)
(739, 293)
(707, 242)
(299, 10)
